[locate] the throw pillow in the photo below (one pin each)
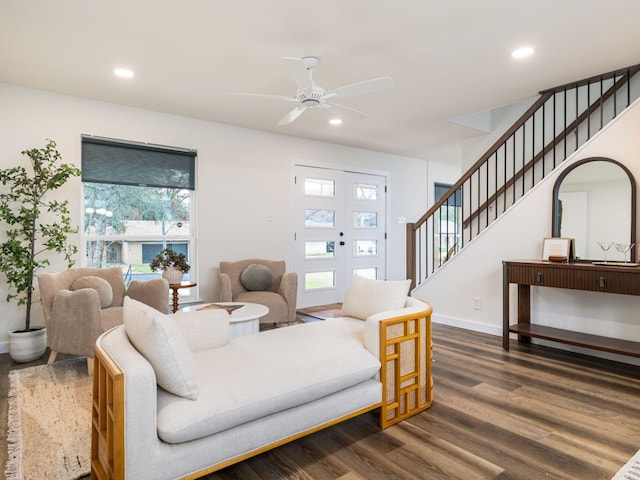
(99, 284)
(157, 337)
(204, 329)
(256, 277)
(366, 297)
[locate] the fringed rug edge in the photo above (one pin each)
(13, 468)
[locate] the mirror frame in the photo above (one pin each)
(555, 217)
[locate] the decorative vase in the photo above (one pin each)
(26, 346)
(172, 275)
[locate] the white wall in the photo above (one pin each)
(502, 118)
(242, 175)
(477, 270)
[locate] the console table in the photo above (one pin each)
(576, 276)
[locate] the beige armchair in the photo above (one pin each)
(78, 307)
(280, 296)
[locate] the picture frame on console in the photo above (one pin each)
(558, 249)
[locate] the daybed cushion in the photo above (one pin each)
(366, 297)
(280, 368)
(159, 339)
(256, 277)
(99, 284)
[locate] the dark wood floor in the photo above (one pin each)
(532, 413)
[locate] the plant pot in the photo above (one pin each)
(172, 275)
(26, 346)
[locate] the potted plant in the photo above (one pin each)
(172, 264)
(29, 239)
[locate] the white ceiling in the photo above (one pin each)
(448, 58)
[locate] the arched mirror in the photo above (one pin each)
(594, 201)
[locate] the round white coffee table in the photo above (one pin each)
(242, 321)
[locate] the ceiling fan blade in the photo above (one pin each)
(299, 73)
(292, 115)
(345, 112)
(368, 86)
(266, 96)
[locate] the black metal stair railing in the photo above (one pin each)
(560, 121)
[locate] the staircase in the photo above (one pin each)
(560, 121)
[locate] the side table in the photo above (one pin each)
(174, 291)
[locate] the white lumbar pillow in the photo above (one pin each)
(157, 337)
(366, 297)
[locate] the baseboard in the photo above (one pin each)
(467, 324)
(4, 347)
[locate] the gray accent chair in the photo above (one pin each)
(280, 298)
(75, 319)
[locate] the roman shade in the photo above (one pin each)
(106, 160)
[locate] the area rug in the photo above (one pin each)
(630, 470)
(49, 422)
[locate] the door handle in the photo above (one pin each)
(341, 243)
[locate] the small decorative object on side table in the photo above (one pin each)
(174, 292)
(172, 264)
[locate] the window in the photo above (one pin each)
(319, 187)
(138, 200)
(447, 224)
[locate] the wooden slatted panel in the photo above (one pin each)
(107, 431)
(405, 354)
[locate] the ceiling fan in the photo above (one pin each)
(311, 95)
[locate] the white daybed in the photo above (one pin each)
(251, 393)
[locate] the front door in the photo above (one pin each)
(339, 229)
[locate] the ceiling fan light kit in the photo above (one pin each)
(309, 62)
(311, 95)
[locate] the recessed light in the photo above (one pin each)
(522, 52)
(335, 121)
(123, 72)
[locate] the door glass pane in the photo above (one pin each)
(316, 280)
(371, 273)
(362, 191)
(319, 187)
(320, 218)
(313, 250)
(363, 248)
(365, 219)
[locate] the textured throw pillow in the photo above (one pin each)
(367, 297)
(99, 284)
(256, 277)
(157, 337)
